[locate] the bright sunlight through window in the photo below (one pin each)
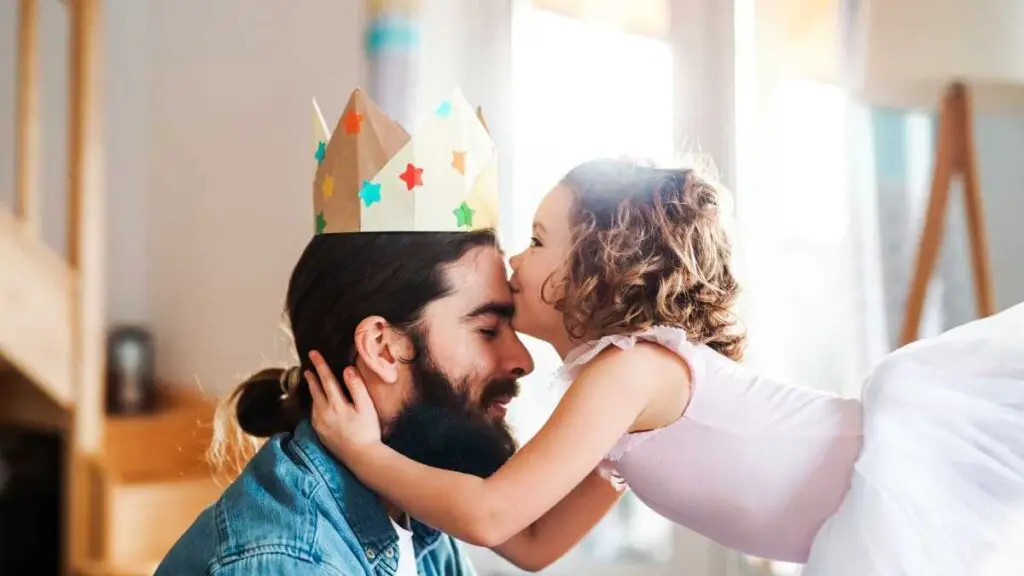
(582, 92)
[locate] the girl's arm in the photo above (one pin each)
(599, 408)
(562, 527)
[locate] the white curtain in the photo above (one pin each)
(831, 195)
(808, 243)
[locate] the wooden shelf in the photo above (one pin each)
(107, 569)
(51, 310)
(166, 444)
(154, 477)
(144, 519)
(26, 405)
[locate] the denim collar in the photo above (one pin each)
(363, 510)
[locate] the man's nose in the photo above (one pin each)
(518, 361)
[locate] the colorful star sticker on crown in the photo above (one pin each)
(464, 215)
(321, 222)
(352, 122)
(328, 186)
(412, 177)
(369, 193)
(321, 151)
(445, 109)
(459, 161)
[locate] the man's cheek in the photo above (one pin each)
(473, 387)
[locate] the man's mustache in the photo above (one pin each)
(499, 388)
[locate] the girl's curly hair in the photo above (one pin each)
(649, 247)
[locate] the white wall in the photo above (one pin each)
(209, 161)
(127, 103)
(1000, 142)
(229, 187)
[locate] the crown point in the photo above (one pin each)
(480, 117)
(352, 122)
(350, 183)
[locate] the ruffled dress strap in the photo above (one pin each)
(670, 337)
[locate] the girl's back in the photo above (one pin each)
(754, 464)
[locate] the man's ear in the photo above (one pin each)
(381, 348)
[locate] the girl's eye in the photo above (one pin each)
(534, 242)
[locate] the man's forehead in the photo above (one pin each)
(478, 284)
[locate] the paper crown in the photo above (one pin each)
(372, 177)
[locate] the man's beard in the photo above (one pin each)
(443, 428)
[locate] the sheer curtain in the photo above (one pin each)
(582, 91)
(831, 197)
(801, 246)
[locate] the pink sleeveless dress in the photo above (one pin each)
(919, 479)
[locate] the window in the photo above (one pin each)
(582, 91)
(796, 214)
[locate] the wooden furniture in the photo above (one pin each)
(51, 332)
(954, 56)
(153, 478)
(132, 483)
(954, 156)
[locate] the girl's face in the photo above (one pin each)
(538, 271)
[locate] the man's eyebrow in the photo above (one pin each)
(500, 309)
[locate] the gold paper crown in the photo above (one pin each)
(372, 177)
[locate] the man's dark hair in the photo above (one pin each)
(339, 280)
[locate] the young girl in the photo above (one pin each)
(628, 276)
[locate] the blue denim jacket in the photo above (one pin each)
(294, 509)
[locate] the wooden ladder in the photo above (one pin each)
(80, 417)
